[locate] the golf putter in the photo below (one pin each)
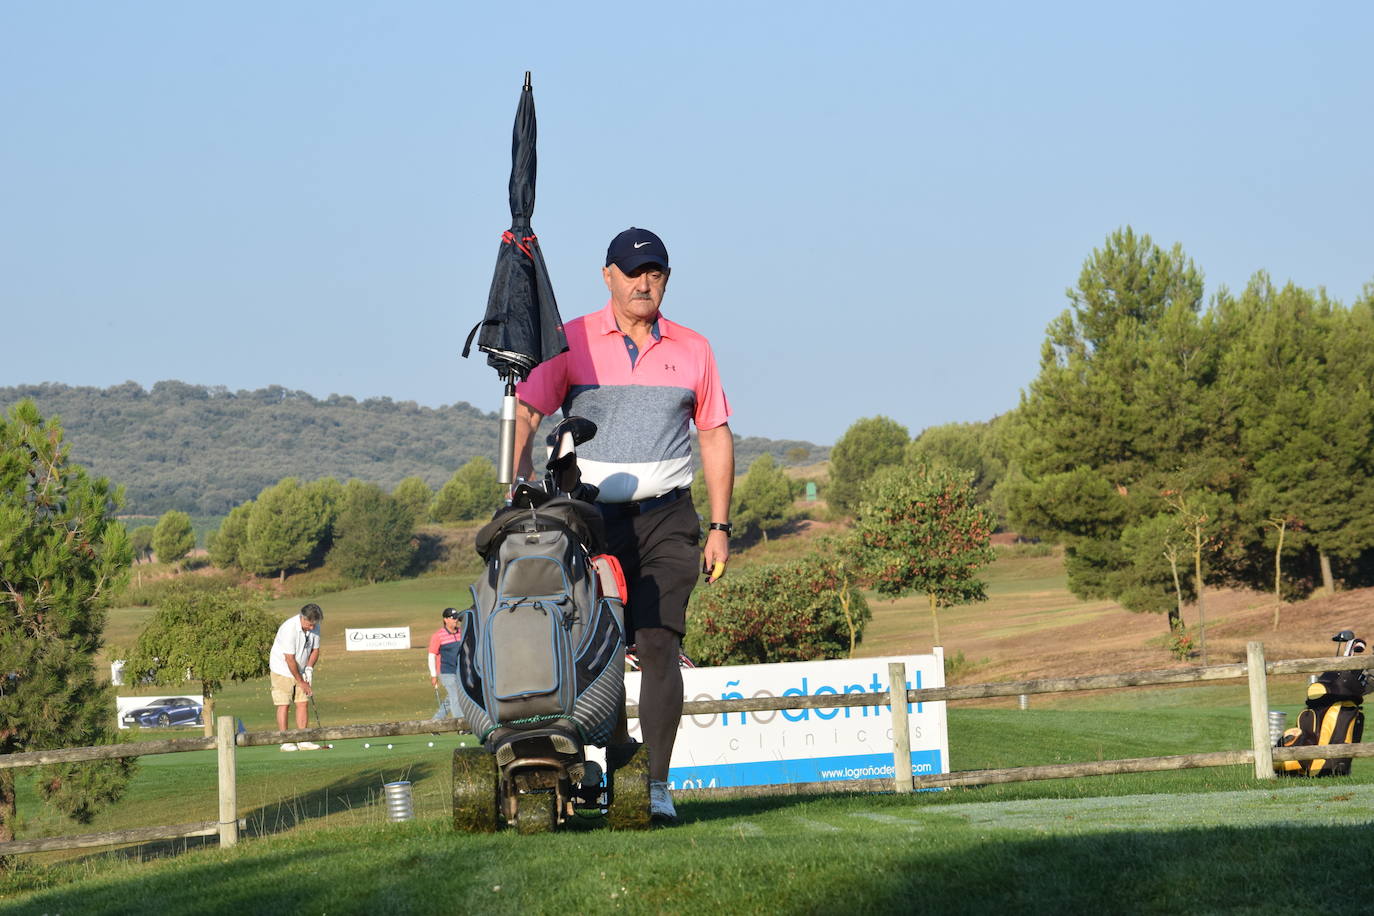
(318, 724)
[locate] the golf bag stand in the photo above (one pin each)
(1334, 715)
(541, 664)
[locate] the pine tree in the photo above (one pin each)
(173, 538)
(285, 529)
(415, 495)
(228, 547)
(471, 493)
(763, 500)
(141, 540)
(61, 554)
(375, 532)
(1124, 398)
(869, 444)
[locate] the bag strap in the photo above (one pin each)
(610, 577)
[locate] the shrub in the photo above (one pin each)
(154, 592)
(783, 612)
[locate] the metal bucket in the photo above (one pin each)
(399, 805)
(1278, 722)
(1022, 701)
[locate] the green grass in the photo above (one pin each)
(316, 825)
(317, 840)
(1250, 851)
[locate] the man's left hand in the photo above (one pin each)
(716, 555)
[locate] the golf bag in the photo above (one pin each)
(543, 648)
(1333, 716)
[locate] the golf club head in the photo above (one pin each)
(529, 495)
(579, 428)
(1343, 636)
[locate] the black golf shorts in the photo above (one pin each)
(661, 556)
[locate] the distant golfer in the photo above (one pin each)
(443, 663)
(644, 380)
(294, 654)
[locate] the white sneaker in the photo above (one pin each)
(308, 746)
(661, 810)
(288, 746)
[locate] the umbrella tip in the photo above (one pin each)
(527, 79)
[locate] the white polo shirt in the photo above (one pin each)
(292, 640)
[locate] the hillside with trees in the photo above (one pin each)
(204, 450)
(1173, 443)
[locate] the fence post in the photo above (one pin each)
(228, 786)
(1259, 711)
(901, 727)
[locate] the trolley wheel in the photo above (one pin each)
(629, 808)
(474, 790)
(536, 812)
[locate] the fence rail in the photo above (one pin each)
(1255, 669)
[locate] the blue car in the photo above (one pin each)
(164, 712)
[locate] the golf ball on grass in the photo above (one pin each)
(366, 745)
(388, 747)
(431, 744)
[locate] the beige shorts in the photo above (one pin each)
(285, 691)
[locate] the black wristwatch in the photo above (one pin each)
(722, 526)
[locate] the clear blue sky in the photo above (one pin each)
(871, 208)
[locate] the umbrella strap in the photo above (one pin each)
(509, 238)
(467, 344)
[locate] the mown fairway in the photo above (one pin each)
(317, 840)
(1249, 850)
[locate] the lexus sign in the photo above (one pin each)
(368, 638)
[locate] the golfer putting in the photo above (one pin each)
(295, 652)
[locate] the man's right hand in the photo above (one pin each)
(305, 688)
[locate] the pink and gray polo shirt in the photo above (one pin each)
(641, 405)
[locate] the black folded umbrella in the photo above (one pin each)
(522, 327)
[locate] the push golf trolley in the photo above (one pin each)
(1333, 715)
(541, 664)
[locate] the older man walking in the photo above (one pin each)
(643, 379)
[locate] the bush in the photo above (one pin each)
(313, 583)
(783, 612)
(155, 591)
(957, 665)
(1026, 549)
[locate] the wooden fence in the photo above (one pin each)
(1256, 670)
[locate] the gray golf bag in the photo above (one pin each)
(541, 662)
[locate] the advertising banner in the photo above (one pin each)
(801, 745)
(370, 638)
(158, 712)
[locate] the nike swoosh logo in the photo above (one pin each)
(642, 244)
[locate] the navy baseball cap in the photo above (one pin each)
(633, 248)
